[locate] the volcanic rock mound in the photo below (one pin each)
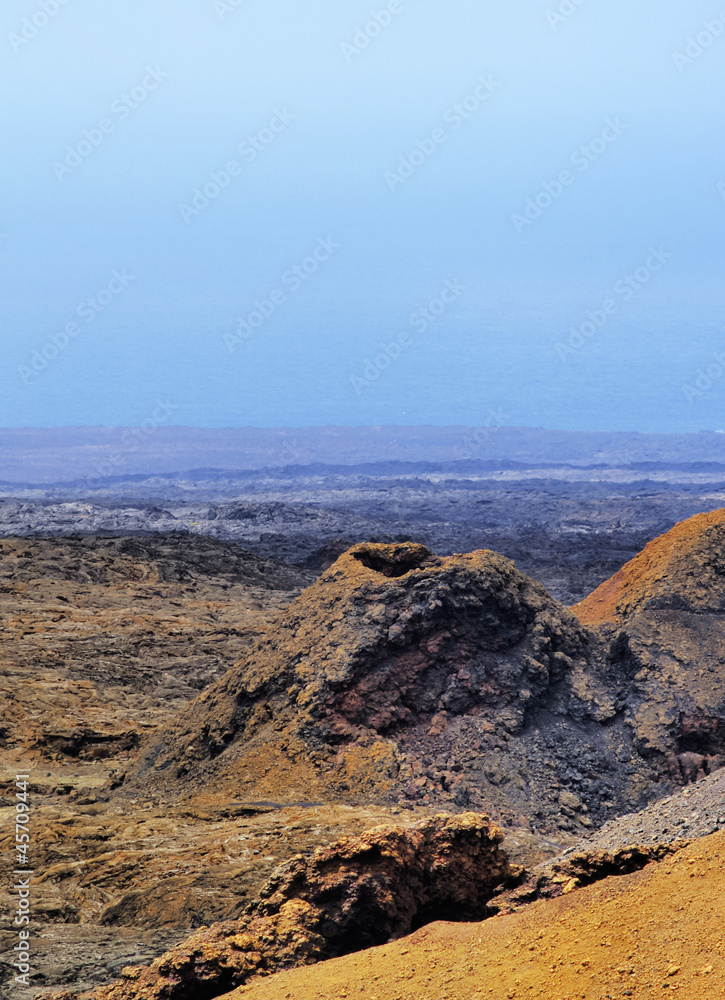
(404, 676)
(407, 677)
(649, 934)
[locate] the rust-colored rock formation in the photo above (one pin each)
(357, 893)
(399, 682)
(403, 677)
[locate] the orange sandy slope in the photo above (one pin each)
(655, 933)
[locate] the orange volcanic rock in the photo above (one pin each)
(651, 934)
(682, 569)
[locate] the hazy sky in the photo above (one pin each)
(273, 212)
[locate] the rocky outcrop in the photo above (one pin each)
(400, 679)
(459, 681)
(648, 934)
(682, 570)
(577, 869)
(354, 894)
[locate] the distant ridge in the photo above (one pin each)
(683, 568)
(42, 456)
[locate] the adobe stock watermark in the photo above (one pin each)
(454, 118)
(224, 7)
(22, 875)
(563, 12)
(368, 32)
(705, 378)
(471, 445)
(121, 109)
(131, 440)
(288, 452)
(87, 310)
(249, 149)
(698, 44)
(292, 279)
(31, 26)
(420, 320)
(720, 186)
(624, 291)
(583, 157)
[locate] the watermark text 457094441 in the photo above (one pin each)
(21, 876)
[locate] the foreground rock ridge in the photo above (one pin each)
(663, 612)
(354, 894)
(650, 934)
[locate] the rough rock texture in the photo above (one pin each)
(458, 681)
(663, 614)
(104, 638)
(647, 935)
(696, 811)
(569, 527)
(626, 844)
(118, 883)
(355, 894)
(580, 868)
(403, 676)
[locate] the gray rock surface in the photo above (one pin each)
(696, 811)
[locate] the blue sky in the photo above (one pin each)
(257, 211)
